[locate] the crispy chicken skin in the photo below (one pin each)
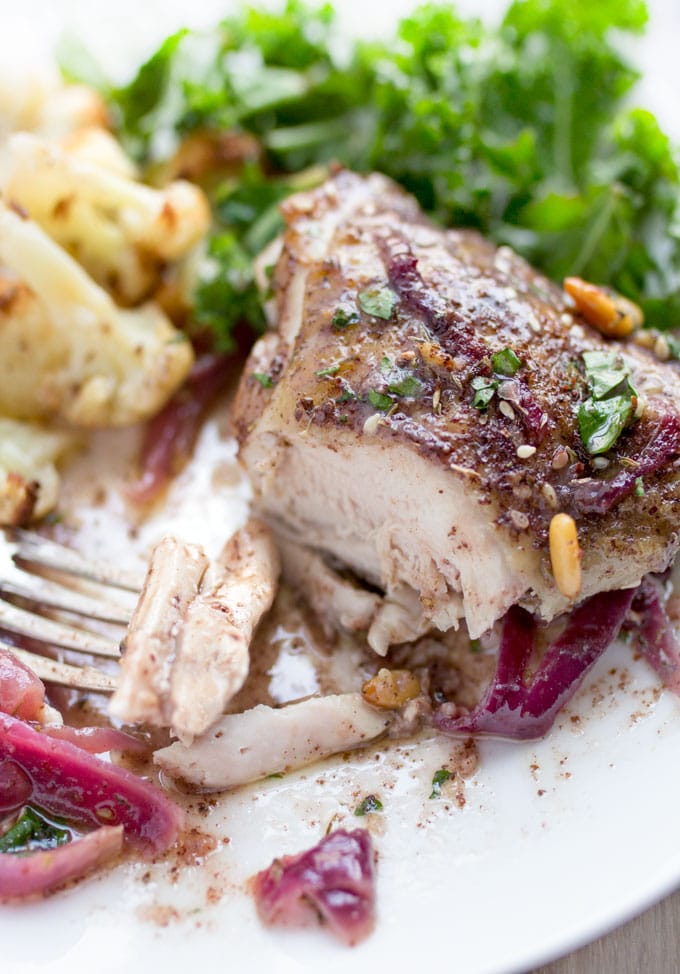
(364, 445)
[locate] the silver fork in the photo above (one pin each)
(55, 597)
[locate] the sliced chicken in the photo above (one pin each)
(262, 741)
(367, 444)
(186, 650)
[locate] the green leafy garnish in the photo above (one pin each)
(505, 362)
(344, 317)
(484, 389)
(265, 380)
(438, 780)
(331, 370)
(348, 394)
(406, 385)
(370, 804)
(378, 301)
(379, 400)
(639, 487)
(400, 382)
(522, 130)
(32, 831)
(610, 408)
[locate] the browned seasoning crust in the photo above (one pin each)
(521, 476)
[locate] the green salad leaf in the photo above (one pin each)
(522, 129)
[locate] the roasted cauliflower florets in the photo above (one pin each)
(66, 349)
(121, 231)
(29, 482)
(36, 100)
(98, 147)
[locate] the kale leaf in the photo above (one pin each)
(521, 129)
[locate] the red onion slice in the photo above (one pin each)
(655, 633)
(96, 740)
(600, 496)
(169, 437)
(447, 322)
(514, 710)
(39, 873)
(334, 880)
(74, 785)
(22, 693)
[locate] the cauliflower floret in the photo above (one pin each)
(35, 99)
(66, 350)
(121, 231)
(29, 482)
(98, 147)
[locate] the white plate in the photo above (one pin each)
(556, 843)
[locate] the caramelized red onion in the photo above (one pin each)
(169, 437)
(600, 496)
(68, 782)
(655, 633)
(513, 709)
(445, 321)
(22, 693)
(39, 873)
(96, 740)
(335, 881)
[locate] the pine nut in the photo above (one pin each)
(565, 555)
(613, 315)
(391, 688)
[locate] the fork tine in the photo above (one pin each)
(44, 592)
(53, 671)
(45, 630)
(41, 551)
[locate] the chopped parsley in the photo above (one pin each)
(484, 389)
(505, 362)
(438, 780)
(378, 301)
(344, 317)
(379, 400)
(265, 380)
(32, 832)
(331, 370)
(406, 385)
(369, 805)
(610, 407)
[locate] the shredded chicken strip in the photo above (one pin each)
(186, 651)
(262, 741)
